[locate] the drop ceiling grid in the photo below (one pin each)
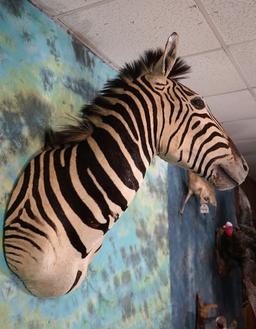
(233, 106)
(60, 7)
(133, 26)
(235, 19)
(216, 37)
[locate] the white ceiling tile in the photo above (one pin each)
(57, 7)
(245, 54)
(213, 73)
(235, 19)
(242, 129)
(122, 30)
(233, 106)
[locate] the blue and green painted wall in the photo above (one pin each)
(45, 77)
(146, 274)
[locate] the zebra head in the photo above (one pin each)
(188, 133)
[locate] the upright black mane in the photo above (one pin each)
(146, 63)
(75, 133)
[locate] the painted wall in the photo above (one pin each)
(45, 76)
(193, 265)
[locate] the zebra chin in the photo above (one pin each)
(54, 284)
(51, 283)
(49, 279)
(226, 177)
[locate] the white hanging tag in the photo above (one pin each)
(204, 209)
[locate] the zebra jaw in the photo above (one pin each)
(224, 178)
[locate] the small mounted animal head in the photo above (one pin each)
(201, 188)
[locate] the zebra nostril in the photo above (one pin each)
(245, 167)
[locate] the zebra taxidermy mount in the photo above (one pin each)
(71, 193)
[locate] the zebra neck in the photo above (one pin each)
(132, 112)
(121, 152)
(112, 160)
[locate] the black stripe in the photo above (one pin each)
(180, 158)
(208, 139)
(14, 247)
(152, 100)
(197, 115)
(212, 160)
(15, 236)
(210, 175)
(78, 275)
(195, 125)
(150, 92)
(115, 157)
(217, 146)
(28, 210)
(117, 108)
(87, 160)
(98, 249)
(8, 245)
(172, 107)
(13, 253)
(163, 124)
(181, 109)
(137, 115)
(186, 90)
(17, 230)
(176, 86)
(129, 144)
(36, 195)
(22, 192)
(176, 131)
(69, 229)
(183, 93)
(27, 226)
(13, 260)
(144, 105)
(73, 199)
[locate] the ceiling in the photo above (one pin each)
(217, 38)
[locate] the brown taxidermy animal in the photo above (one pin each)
(201, 188)
(237, 246)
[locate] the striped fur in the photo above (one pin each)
(72, 192)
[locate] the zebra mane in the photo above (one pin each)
(147, 62)
(83, 127)
(70, 134)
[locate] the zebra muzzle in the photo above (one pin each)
(226, 177)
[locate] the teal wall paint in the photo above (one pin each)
(193, 262)
(45, 76)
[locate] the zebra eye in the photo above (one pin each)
(198, 103)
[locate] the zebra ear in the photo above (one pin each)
(167, 60)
